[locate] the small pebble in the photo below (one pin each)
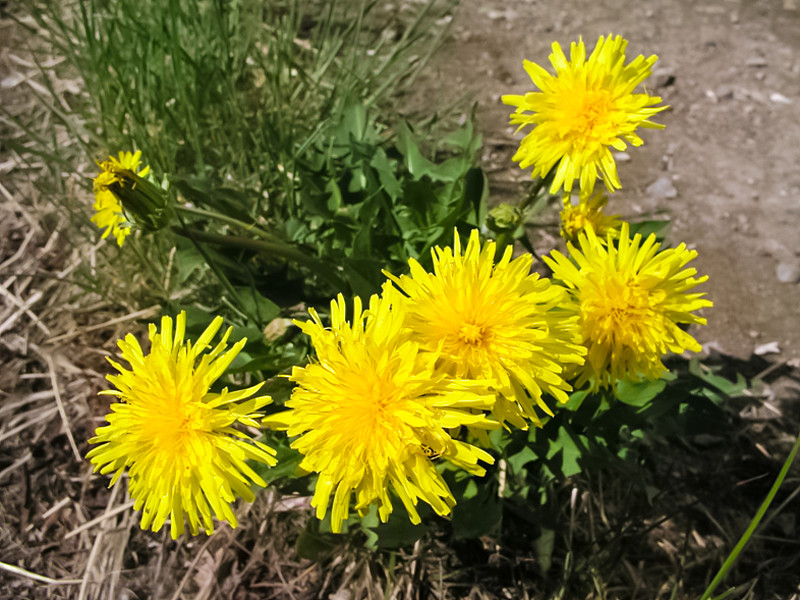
(777, 250)
(779, 98)
(756, 61)
(768, 348)
(621, 156)
(662, 188)
(788, 271)
(508, 14)
(662, 77)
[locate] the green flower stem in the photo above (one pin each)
(249, 227)
(503, 239)
(541, 182)
(726, 566)
(533, 195)
(270, 248)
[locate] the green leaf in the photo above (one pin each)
(470, 491)
(477, 515)
(461, 138)
(727, 387)
(315, 202)
(569, 450)
(399, 531)
(645, 228)
(499, 439)
(354, 125)
(368, 523)
(415, 162)
(288, 459)
(386, 173)
(520, 459)
(363, 275)
(639, 393)
(420, 198)
(476, 189)
(275, 358)
(335, 200)
(187, 261)
(254, 303)
(314, 544)
(452, 169)
(576, 400)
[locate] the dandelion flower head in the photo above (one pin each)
(632, 300)
(371, 410)
(581, 112)
(497, 322)
(108, 210)
(177, 440)
(588, 213)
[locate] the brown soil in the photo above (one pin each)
(727, 162)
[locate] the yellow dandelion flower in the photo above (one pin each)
(588, 213)
(176, 439)
(496, 322)
(109, 213)
(632, 299)
(371, 412)
(580, 113)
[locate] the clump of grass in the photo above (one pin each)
(245, 108)
(230, 92)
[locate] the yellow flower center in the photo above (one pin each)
(471, 334)
(377, 398)
(368, 417)
(178, 424)
(594, 112)
(620, 310)
(586, 115)
(574, 222)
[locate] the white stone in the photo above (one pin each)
(662, 188)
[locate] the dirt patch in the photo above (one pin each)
(725, 170)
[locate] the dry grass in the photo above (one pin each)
(62, 533)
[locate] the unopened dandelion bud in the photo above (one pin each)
(504, 218)
(122, 194)
(144, 201)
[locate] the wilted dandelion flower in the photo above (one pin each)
(184, 457)
(575, 218)
(371, 410)
(497, 322)
(632, 299)
(581, 112)
(108, 210)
